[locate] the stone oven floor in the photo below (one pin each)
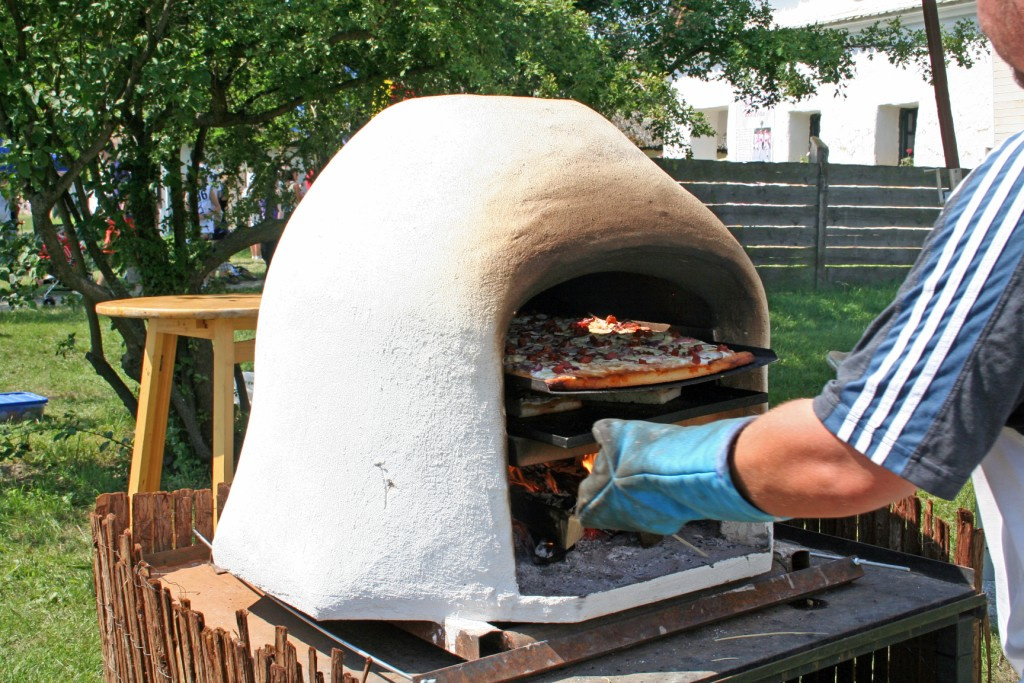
(603, 564)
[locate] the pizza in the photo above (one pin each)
(592, 353)
(532, 404)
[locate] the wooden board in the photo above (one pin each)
(795, 236)
(753, 214)
(685, 170)
(186, 306)
(875, 216)
(858, 195)
(877, 237)
(728, 193)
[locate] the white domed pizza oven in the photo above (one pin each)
(374, 481)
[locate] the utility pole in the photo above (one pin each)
(941, 85)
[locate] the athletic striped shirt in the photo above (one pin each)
(937, 375)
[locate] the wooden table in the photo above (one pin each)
(215, 317)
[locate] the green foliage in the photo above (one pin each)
(962, 44)
(21, 269)
(65, 346)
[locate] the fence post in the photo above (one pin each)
(819, 155)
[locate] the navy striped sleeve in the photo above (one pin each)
(936, 376)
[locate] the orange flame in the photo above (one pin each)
(517, 478)
(549, 479)
(588, 461)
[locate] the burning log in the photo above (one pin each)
(549, 519)
(542, 498)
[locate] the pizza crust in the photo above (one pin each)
(630, 378)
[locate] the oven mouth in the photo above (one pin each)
(547, 455)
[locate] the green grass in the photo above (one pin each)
(51, 471)
(805, 327)
(50, 474)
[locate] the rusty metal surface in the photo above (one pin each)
(605, 638)
(462, 643)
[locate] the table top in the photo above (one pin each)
(184, 307)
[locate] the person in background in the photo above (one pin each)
(8, 213)
(933, 392)
(9, 205)
(291, 188)
(210, 213)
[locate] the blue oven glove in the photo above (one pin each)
(656, 477)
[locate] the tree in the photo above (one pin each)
(116, 113)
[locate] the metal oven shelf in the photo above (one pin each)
(571, 430)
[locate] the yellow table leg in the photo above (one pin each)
(223, 410)
(151, 421)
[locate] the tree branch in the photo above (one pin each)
(215, 119)
(19, 26)
(237, 240)
(349, 36)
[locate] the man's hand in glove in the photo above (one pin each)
(655, 477)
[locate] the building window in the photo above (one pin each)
(908, 130)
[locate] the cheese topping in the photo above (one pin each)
(543, 347)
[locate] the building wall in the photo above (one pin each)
(860, 119)
(1007, 101)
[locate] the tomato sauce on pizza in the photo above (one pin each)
(592, 353)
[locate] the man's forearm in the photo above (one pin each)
(789, 465)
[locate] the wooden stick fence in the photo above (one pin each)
(146, 635)
(149, 637)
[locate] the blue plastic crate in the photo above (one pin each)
(21, 405)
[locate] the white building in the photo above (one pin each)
(876, 117)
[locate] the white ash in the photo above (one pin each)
(605, 563)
